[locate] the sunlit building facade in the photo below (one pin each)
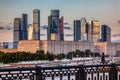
(36, 24)
(84, 29)
(77, 30)
(94, 31)
(30, 32)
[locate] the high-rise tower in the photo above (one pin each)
(25, 26)
(61, 30)
(18, 29)
(36, 24)
(77, 30)
(105, 33)
(55, 34)
(84, 29)
(94, 31)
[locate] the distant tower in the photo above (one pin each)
(105, 33)
(55, 35)
(94, 31)
(77, 30)
(61, 30)
(36, 24)
(25, 25)
(49, 27)
(18, 28)
(84, 29)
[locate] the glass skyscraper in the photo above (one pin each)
(94, 31)
(18, 28)
(25, 26)
(55, 26)
(77, 30)
(105, 33)
(36, 24)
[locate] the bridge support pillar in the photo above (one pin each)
(113, 73)
(38, 73)
(81, 73)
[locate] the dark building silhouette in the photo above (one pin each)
(77, 30)
(18, 29)
(25, 25)
(105, 33)
(61, 28)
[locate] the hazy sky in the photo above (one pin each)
(105, 11)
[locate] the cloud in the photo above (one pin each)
(116, 35)
(68, 34)
(67, 27)
(44, 27)
(42, 34)
(1, 28)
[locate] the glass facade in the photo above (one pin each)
(36, 24)
(77, 30)
(94, 31)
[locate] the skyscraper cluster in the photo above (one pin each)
(91, 32)
(83, 31)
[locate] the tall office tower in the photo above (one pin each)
(55, 34)
(49, 27)
(36, 24)
(105, 33)
(25, 25)
(88, 32)
(77, 30)
(18, 27)
(84, 29)
(61, 28)
(30, 32)
(94, 31)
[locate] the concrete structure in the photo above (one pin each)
(28, 46)
(55, 47)
(77, 30)
(107, 47)
(94, 31)
(105, 33)
(8, 50)
(36, 24)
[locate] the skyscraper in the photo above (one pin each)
(77, 30)
(84, 29)
(36, 24)
(61, 28)
(55, 34)
(49, 27)
(18, 28)
(94, 31)
(25, 25)
(30, 32)
(105, 33)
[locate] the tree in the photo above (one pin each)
(60, 56)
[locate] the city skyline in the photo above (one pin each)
(106, 12)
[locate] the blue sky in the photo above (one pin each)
(106, 11)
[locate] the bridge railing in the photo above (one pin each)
(80, 72)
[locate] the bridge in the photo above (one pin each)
(80, 72)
